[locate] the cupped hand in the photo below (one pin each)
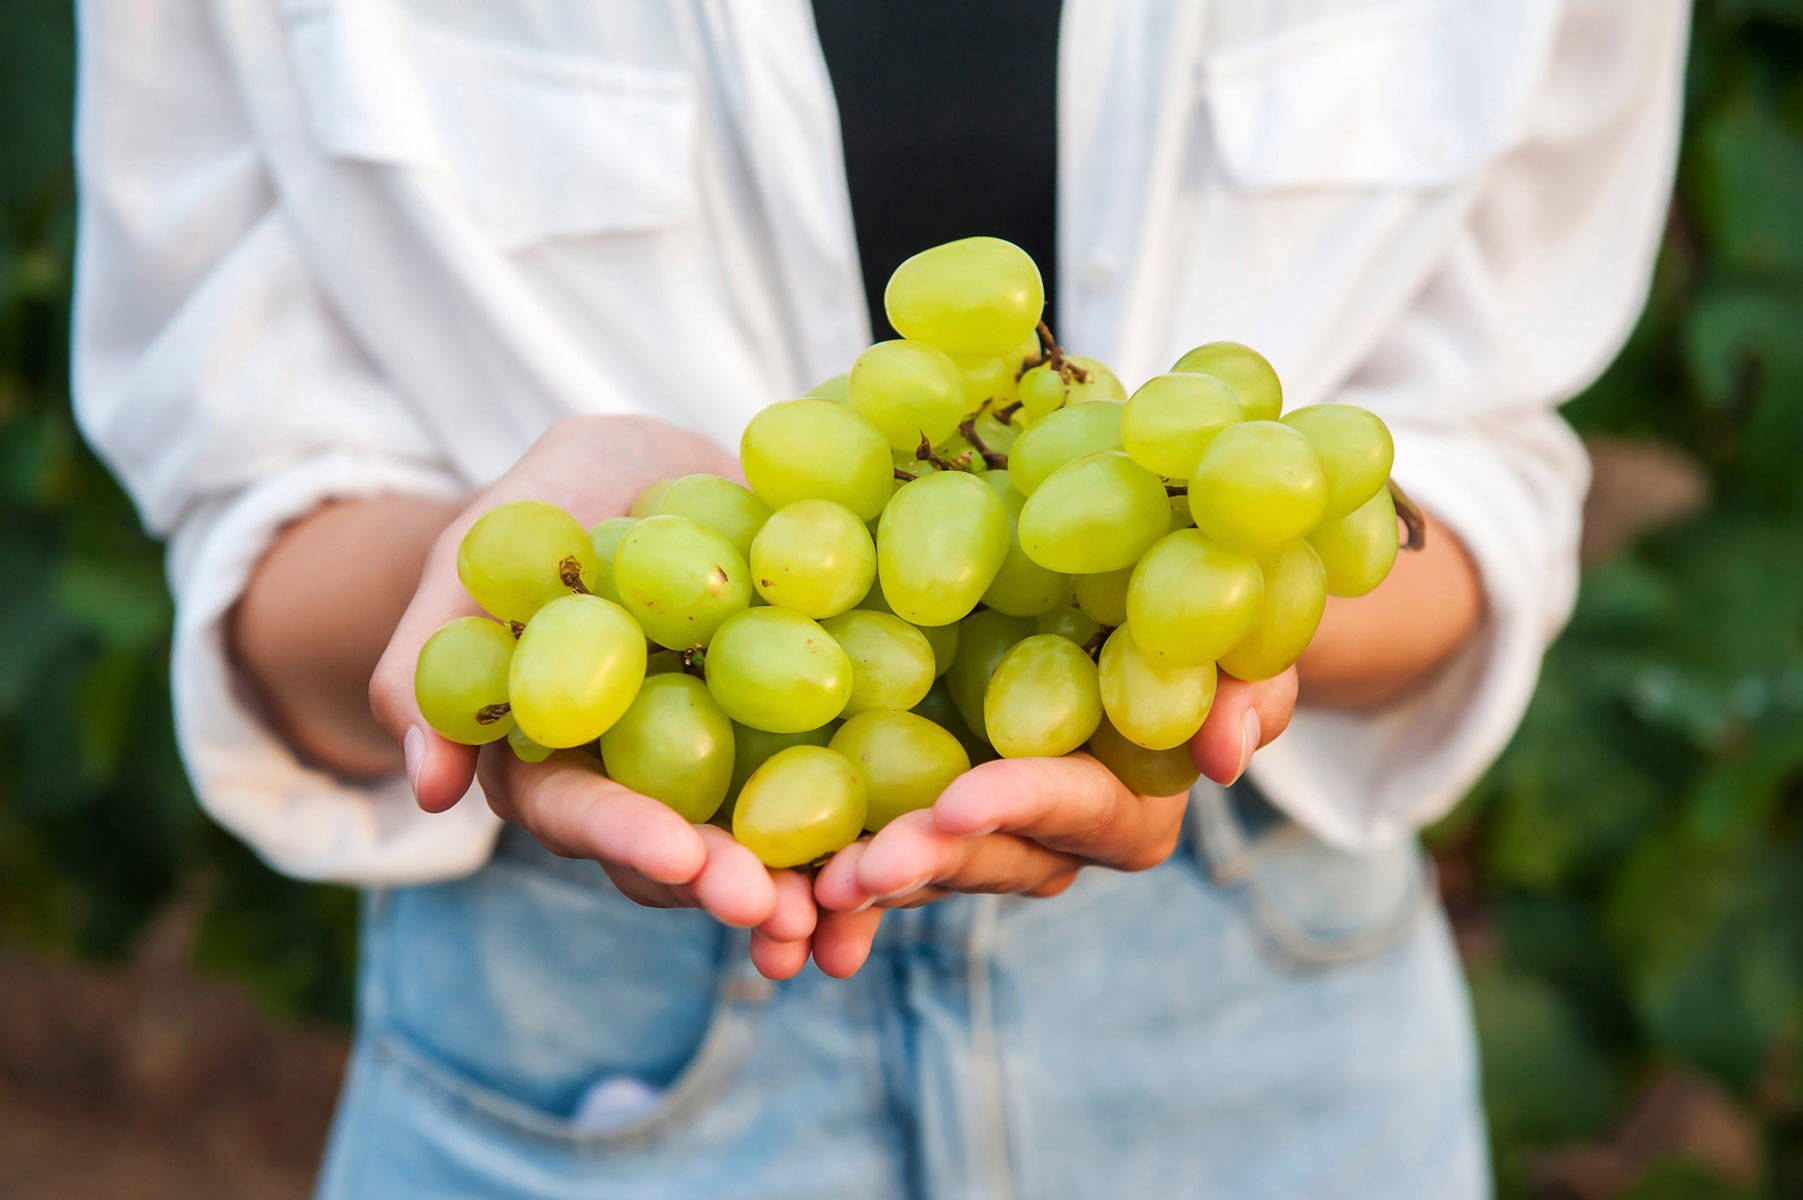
(1026, 826)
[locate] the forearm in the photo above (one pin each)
(1374, 648)
(318, 611)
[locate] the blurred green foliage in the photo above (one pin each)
(1637, 855)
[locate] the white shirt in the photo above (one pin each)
(339, 247)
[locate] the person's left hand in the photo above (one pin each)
(1028, 825)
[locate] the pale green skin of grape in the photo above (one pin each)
(1068, 622)
(1357, 551)
(942, 710)
(576, 668)
(904, 759)
(1041, 391)
(1356, 452)
(679, 580)
(1148, 772)
(987, 380)
(778, 671)
(1021, 587)
(942, 638)
(1155, 706)
(998, 436)
(462, 669)
(1102, 384)
(813, 449)
(804, 803)
(1190, 600)
(983, 638)
(1095, 513)
(1180, 518)
(1066, 434)
(1103, 596)
(907, 389)
(1043, 700)
(525, 749)
(974, 296)
(645, 503)
(815, 557)
(1170, 420)
(673, 744)
(1258, 487)
(1244, 370)
(511, 560)
(717, 504)
(836, 389)
(1295, 597)
(938, 547)
(891, 660)
(605, 537)
(753, 747)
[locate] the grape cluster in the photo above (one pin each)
(971, 545)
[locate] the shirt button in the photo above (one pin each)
(1100, 271)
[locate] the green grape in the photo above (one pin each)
(988, 381)
(942, 638)
(904, 760)
(908, 390)
(752, 748)
(1095, 513)
(673, 744)
(977, 295)
(836, 389)
(460, 680)
(776, 670)
(1258, 487)
(811, 449)
(942, 710)
(1044, 389)
(1022, 587)
(1148, 772)
(679, 580)
(815, 557)
(525, 749)
(1355, 450)
(1295, 594)
(577, 666)
(663, 662)
(1041, 392)
(1101, 384)
(1180, 515)
(1155, 706)
(1171, 419)
(606, 537)
(939, 545)
(983, 638)
(1244, 370)
(1068, 622)
(1357, 550)
(1066, 434)
(960, 454)
(1043, 700)
(645, 503)
(1190, 600)
(1103, 595)
(518, 556)
(998, 435)
(717, 504)
(891, 661)
(804, 803)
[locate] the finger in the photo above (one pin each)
(836, 884)
(778, 959)
(911, 853)
(842, 943)
(1244, 717)
(577, 812)
(734, 887)
(794, 916)
(1072, 804)
(642, 891)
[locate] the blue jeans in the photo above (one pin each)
(1261, 1016)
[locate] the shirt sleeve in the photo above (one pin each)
(217, 383)
(1537, 289)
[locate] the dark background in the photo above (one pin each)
(1627, 882)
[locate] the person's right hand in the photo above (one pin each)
(592, 467)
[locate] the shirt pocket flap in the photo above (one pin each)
(1415, 95)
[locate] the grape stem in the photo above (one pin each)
(516, 628)
(489, 714)
(694, 662)
(992, 459)
(1005, 414)
(925, 454)
(905, 476)
(1176, 489)
(1411, 517)
(570, 572)
(1093, 646)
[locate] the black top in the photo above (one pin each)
(948, 112)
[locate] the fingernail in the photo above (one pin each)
(985, 831)
(907, 891)
(413, 750)
(868, 901)
(1250, 730)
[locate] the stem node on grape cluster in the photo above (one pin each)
(489, 714)
(1411, 517)
(926, 454)
(992, 459)
(570, 572)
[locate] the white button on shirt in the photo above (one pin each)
(340, 247)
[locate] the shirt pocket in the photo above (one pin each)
(1412, 95)
(536, 143)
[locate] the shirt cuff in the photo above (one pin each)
(1362, 780)
(301, 820)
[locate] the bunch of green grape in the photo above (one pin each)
(971, 545)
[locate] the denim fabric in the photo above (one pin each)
(1259, 1017)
